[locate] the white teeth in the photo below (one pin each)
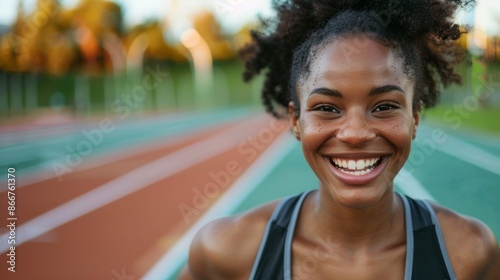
(360, 164)
(351, 164)
(357, 172)
(356, 167)
(340, 163)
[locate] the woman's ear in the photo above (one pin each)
(416, 118)
(294, 120)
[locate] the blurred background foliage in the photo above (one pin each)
(55, 40)
(75, 61)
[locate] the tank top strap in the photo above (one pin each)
(426, 255)
(270, 262)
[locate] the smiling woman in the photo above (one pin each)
(365, 102)
(352, 77)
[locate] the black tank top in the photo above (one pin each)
(426, 256)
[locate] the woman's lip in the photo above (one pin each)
(351, 179)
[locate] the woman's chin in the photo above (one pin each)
(358, 198)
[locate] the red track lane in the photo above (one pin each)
(46, 195)
(128, 235)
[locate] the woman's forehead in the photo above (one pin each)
(355, 52)
(356, 60)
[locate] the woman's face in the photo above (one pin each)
(356, 120)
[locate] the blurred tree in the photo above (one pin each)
(30, 45)
(10, 42)
(99, 16)
(55, 40)
(61, 55)
(208, 27)
(157, 48)
(462, 41)
(28, 32)
(88, 44)
(52, 39)
(91, 21)
(242, 37)
(7, 55)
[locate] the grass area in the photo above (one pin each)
(96, 93)
(458, 110)
(454, 116)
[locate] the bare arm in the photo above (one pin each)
(203, 255)
(471, 245)
(226, 248)
(493, 269)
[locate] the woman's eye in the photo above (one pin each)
(385, 107)
(326, 108)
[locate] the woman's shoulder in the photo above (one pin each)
(471, 245)
(226, 248)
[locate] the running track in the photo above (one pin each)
(115, 213)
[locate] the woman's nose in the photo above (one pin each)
(355, 130)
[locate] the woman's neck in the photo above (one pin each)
(358, 228)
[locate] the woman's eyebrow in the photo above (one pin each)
(326, 91)
(384, 89)
(373, 91)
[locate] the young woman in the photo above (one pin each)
(353, 76)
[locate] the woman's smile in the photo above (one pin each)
(357, 170)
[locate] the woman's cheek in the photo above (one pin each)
(314, 133)
(401, 135)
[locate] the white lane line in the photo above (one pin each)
(411, 186)
(253, 176)
(35, 131)
(45, 171)
(479, 137)
(131, 182)
(471, 154)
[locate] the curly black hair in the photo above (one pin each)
(422, 30)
